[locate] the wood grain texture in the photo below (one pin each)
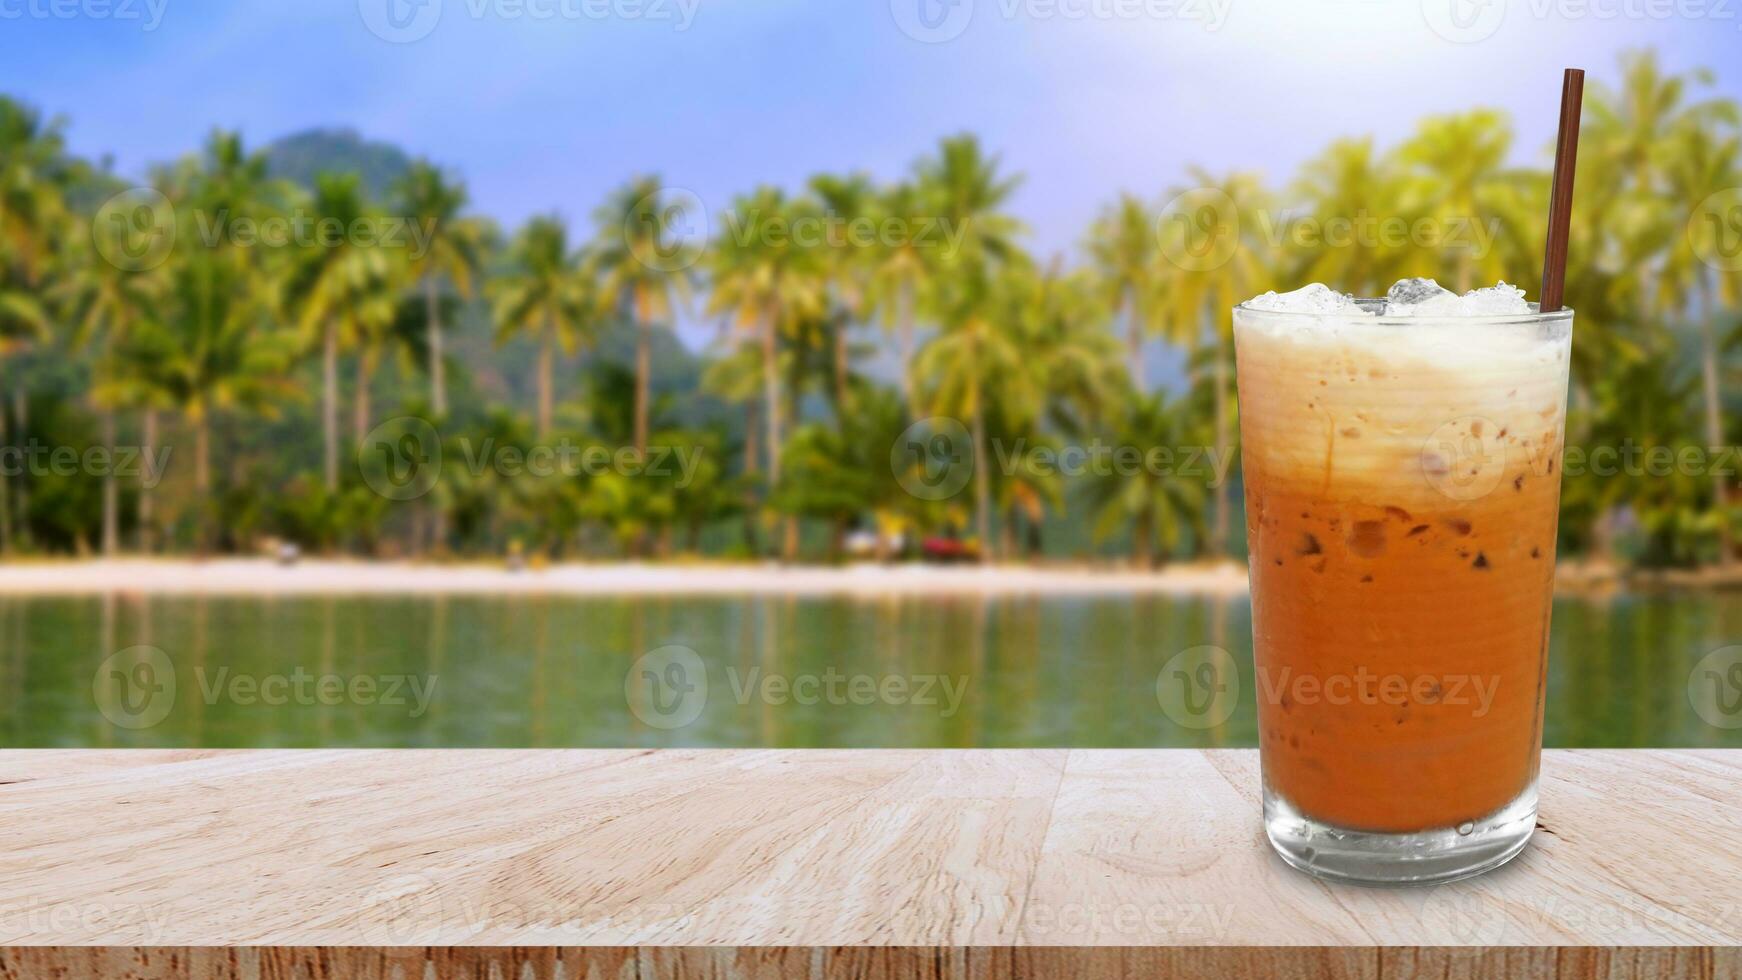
(823, 849)
(863, 963)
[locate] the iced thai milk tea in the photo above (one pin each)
(1401, 466)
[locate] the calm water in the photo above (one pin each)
(518, 671)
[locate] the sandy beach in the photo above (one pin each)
(258, 576)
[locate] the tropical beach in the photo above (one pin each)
(294, 404)
(316, 344)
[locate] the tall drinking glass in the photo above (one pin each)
(1402, 483)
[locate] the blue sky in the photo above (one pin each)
(1085, 97)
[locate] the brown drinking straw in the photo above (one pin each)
(1560, 204)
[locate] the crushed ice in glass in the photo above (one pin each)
(1316, 298)
(1408, 297)
(1424, 297)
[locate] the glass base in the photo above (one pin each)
(1422, 857)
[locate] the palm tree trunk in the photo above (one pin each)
(330, 404)
(771, 396)
(111, 495)
(21, 412)
(841, 370)
(5, 494)
(203, 479)
(907, 386)
(1219, 540)
(1714, 417)
(1133, 340)
(438, 386)
(545, 357)
(752, 464)
(982, 479)
(1143, 540)
(360, 403)
(643, 370)
(148, 479)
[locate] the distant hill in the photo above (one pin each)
(300, 156)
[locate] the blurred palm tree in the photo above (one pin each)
(1153, 500)
(736, 376)
(550, 296)
(848, 205)
(841, 473)
(1455, 177)
(763, 282)
(963, 190)
(212, 350)
(34, 171)
(644, 264)
(453, 252)
(1219, 260)
(1351, 183)
(902, 267)
(1633, 123)
(104, 303)
(1702, 164)
(977, 363)
(345, 295)
(1124, 251)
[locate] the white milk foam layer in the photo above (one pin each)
(1346, 399)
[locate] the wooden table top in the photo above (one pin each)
(810, 848)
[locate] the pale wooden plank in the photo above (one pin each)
(940, 855)
(861, 963)
(1146, 847)
(818, 849)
